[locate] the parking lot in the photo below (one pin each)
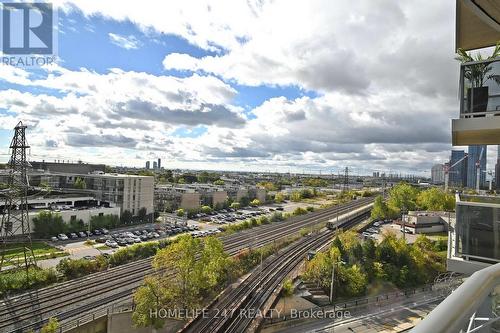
(378, 229)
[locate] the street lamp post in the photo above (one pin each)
(331, 289)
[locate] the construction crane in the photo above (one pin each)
(447, 171)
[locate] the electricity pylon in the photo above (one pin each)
(15, 228)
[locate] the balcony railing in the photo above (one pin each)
(472, 307)
(479, 121)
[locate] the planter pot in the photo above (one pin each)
(477, 99)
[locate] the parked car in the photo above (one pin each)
(121, 242)
(62, 237)
(54, 239)
(101, 240)
(104, 231)
(89, 233)
(72, 235)
(89, 258)
(97, 232)
(137, 232)
(111, 243)
(81, 234)
(143, 238)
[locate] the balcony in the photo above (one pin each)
(479, 121)
(472, 307)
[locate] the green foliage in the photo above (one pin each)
(269, 186)
(206, 209)
(295, 196)
(315, 182)
(276, 217)
(108, 221)
(405, 265)
(180, 212)
(73, 268)
(192, 280)
(255, 203)
(287, 289)
(299, 211)
(52, 326)
(235, 205)
(47, 224)
(279, 197)
(244, 201)
(15, 281)
(380, 211)
(126, 217)
(402, 196)
(80, 184)
(436, 199)
(219, 182)
(133, 252)
(477, 74)
(310, 208)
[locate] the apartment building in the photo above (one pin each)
(474, 237)
(128, 192)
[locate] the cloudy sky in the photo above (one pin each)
(243, 85)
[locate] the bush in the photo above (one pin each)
(136, 251)
(73, 268)
(276, 217)
(299, 211)
(15, 281)
(310, 208)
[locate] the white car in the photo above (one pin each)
(62, 237)
(111, 243)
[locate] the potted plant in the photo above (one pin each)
(478, 74)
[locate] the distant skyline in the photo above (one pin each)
(243, 85)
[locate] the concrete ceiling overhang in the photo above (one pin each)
(477, 24)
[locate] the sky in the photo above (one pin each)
(253, 85)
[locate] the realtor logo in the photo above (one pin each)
(27, 28)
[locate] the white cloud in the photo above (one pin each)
(383, 71)
(126, 42)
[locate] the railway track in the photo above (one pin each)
(237, 309)
(69, 299)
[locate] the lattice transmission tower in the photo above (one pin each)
(15, 228)
(346, 180)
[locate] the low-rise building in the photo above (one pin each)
(420, 222)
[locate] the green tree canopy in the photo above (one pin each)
(436, 199)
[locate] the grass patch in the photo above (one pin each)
(39, 248)
(102, 247)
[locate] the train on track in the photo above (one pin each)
(338, 225)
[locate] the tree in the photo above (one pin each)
(180, 279)
(295, 196)
(235, 205)
(435, 199)
(142, 212)
(48, 223)
(279, 197)
(402, 196)
(219, 182)
(206, 209)
(52, 326)
(126, 217)
(180, 212)
(269, 186)
(80, 184)
(299, 211)
(255, 203)
(380, 211)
